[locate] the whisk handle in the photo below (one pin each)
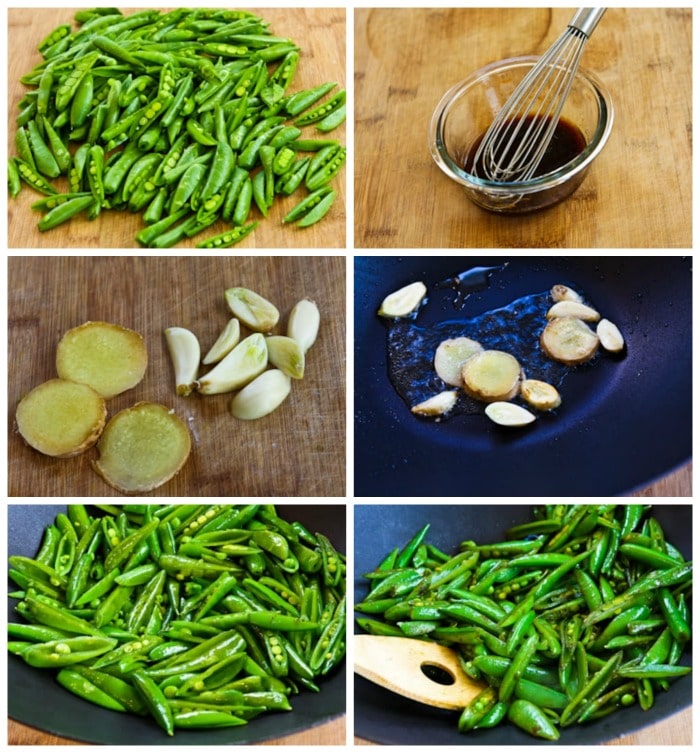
(586, 19)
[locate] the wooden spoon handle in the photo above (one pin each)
(398, 665)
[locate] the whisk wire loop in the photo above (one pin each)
(517, 139)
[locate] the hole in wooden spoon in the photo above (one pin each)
(437, 674)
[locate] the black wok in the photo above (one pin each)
(623, 423)
(36, 699)
(384, 717)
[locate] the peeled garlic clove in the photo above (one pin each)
(403, 302)
(540, 395)
(256, 312)
(225, 342)
(285, 354)
(509, 414)
(240, 366)
(565, 293)
(573, 308)
(303, 324)
(263, 395)
(184, 353)
(437, 405)
(610, 336)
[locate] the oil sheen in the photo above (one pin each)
(515, 329)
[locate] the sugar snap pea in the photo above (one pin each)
(152, 80)
(230, 646)
(566, 619)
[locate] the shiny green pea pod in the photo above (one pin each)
(531, 719)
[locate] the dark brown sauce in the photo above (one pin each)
(566, 144)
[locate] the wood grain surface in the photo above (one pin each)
(638, 192)
(298, 450)
(321, 35)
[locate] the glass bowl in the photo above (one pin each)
(466, 111)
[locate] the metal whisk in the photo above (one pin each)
(516, 141)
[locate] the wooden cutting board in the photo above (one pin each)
(299, 450)
(319, 32)
(637, 194)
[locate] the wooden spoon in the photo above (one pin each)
(398, 665)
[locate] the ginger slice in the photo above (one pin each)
(61, 418)
(569, 340)
(108, 357)
(492, 375)
(142, 447)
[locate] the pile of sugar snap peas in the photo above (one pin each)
(576, 614)
(201, 616)
(186, 117)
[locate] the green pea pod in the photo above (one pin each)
(47, 614)
(325, 174)
(34, 633)
(79, 685)
(300, 101)
(531, 719)
(66, 651)
(477, 709)
(43, 157)
(115, 687)
(333, 120)
(154, 700)
(591, 690)
(322, 110)
(65, 211)
(228, 238)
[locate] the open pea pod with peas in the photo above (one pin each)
(158, 112)
(572, 616)
(199, 616)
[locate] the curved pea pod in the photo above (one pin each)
(115, 687)
(221, 170)
(300, 101)
(65, 211)
(68, 87)
(591, 690)
(325, 174)
(333, 120)
(82, 687)
(477, 709)
(67, 651)
(531, 719)
(323, 110)
(55, 617)
(43, 157)
(154, 700)
(228, 238)
(306, 204)
(14, 183)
